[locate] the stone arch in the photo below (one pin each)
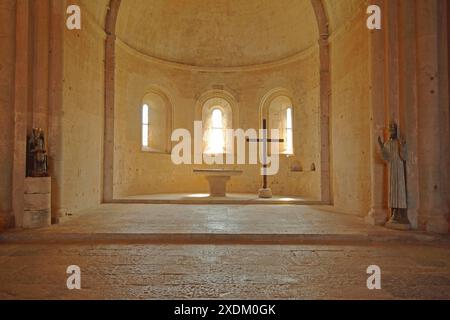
(269, 97)
(212, 99)
(221, 94)
(282, 98)
(321, 17)
(325, 92)
(153, 93)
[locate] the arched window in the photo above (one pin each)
(216, 118)
(156, 123)
(145, 125)
(289, 145)
(216, 138)
(278, 110)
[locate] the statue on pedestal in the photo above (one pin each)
(394, 153)
(37, 165)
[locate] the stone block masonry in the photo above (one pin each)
(37, 202)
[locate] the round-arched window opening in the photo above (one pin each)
(216, 135)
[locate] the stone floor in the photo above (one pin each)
(213, 224)
(156, 218)
(33, 263)
(145, 219)
(223, 272)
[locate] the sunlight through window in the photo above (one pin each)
(145, 125)
(216, 141)
(289, 133)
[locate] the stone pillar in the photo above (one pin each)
(378, 214)
(444, 92)
(447, 37)
(408, 102)
(31, 103)
(108, 175)
(55, 103)
(325, 100)
(325, 92)
(392, 61)
(7, 69)
(432, 212)
(110, 65)
(41, 10)
(21, 102)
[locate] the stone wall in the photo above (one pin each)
(82, 123)
(349, 114)
(138, 172)
(7, 57)
(79, 181)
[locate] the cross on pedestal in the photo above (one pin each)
(265, 191)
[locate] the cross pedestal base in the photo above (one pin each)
(398, 226)
(265, 193)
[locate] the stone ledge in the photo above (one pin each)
(217, 200)
(224, 238)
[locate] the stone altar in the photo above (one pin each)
(217, 179)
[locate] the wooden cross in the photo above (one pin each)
(265, 141)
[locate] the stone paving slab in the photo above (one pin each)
(220, 224)
(223, 272)
(217, 238)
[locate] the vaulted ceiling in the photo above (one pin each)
(221, 33)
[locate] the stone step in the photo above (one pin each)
(17, 237)
(220, 200)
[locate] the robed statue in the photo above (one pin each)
(394, 153)
(37, 165)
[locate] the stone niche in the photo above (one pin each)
(37, 202)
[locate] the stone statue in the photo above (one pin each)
(394, 153)
(37, 155)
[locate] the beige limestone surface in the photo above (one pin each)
(7, 56)
(118, 259)
(399, 72)
(217, 180)
(218, 33)
(214, 223)
(137, 172)
(82, 119)
(350, 114)
(205, 198)
(37, 202)
(223, 272)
